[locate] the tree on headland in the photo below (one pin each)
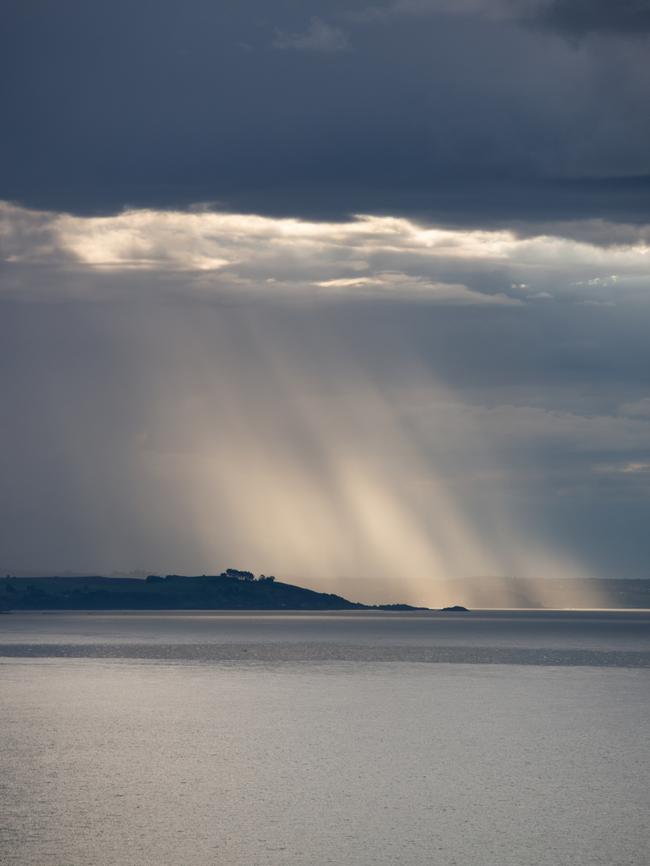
(238, 574)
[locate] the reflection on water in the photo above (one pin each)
(158, 742)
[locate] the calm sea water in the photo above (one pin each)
(301, 740)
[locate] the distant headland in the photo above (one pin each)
(233, 589)
(236, 589)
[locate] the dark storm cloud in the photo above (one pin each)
(319, 36)
(277, 108)
(581, 17)
(573, 16)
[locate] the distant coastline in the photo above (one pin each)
(230, 590)
(234, 589)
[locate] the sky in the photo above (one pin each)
(330, 290)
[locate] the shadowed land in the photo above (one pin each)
(241, 590)
(231, 590)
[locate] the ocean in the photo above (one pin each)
(242, 739)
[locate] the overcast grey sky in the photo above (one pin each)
(326, 288)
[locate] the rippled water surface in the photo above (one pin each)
(183, 740)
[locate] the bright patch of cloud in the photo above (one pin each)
(383, 256)
(636, 467)
(403, 286)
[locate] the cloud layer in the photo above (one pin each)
(382, 257)
(470, 113)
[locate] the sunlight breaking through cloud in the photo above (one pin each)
(263, 434)
(380, 255)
